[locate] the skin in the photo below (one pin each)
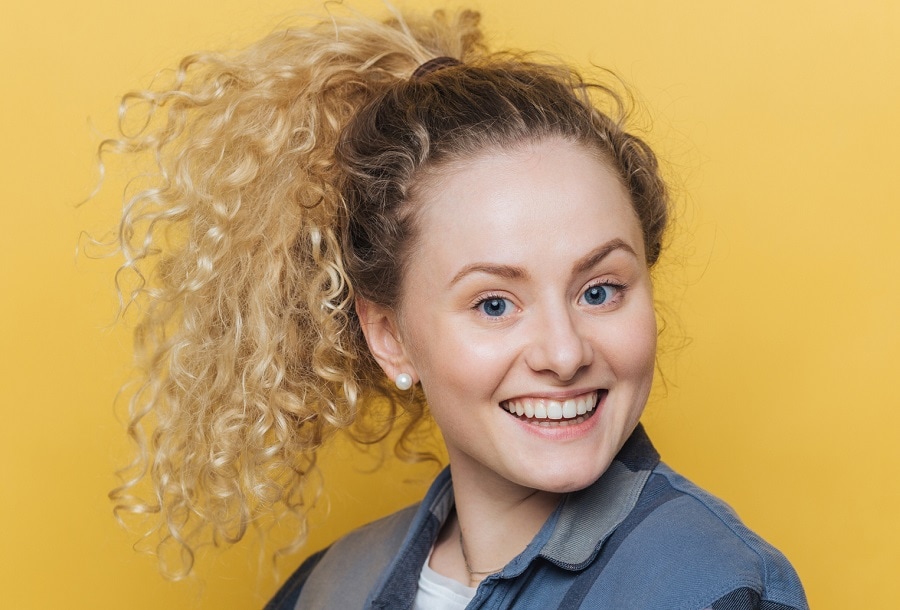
(528, 234)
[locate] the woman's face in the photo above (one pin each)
(527, 315)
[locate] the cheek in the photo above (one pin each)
(632, 352)
(459, 364)
(458, 367)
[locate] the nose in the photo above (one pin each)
(559, 346)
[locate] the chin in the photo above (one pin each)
(567, 480)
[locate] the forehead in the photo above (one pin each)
(552, 197)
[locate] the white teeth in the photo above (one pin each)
(553, 410)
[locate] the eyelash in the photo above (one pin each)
(618, 293)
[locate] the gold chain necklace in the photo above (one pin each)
(472, 573)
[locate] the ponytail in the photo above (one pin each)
(246, 342)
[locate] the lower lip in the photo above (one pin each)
(566, 431)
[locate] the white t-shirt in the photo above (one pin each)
(438, 592)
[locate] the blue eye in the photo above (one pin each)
(493, 306)
(599, 294)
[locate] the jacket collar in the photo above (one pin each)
(576, 530)
(585, 519)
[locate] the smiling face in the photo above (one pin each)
(527, 315)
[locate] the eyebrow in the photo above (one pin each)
(592, 258)
(512, 272)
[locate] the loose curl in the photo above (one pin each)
(283, 190)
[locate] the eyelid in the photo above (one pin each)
(486, 296)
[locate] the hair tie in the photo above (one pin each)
(435, 64)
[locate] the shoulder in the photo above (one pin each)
(679, 533)
(383, 537)
(349, 567)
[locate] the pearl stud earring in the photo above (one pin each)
(403, 381)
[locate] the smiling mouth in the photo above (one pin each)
(548, 412)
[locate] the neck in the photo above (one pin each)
(494, 522)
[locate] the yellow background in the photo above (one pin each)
(781, 124)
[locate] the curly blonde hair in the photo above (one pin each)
(282, 191)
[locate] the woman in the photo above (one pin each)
(380, 215)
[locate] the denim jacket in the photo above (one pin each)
(641, 537)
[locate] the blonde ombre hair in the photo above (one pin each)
(284, 189)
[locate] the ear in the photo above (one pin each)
(382, 332)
